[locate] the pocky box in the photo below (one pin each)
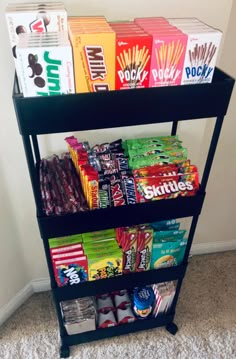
(133, 55)
(201, 55)
(168, 54)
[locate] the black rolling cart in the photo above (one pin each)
(80, 112)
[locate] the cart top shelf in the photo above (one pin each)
(86, 111)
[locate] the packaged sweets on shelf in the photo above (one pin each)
(93, 42)
(201, 54)
(143, 300)
(133, 171)
(164, 295)
(133, 53)
(144, 248)
(31, 18)
(45, 65)
(79, 315)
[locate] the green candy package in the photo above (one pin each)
(168, 254)
(65, 241)
(152, 160)
(99, 236)
(164, 151)
(168, 236)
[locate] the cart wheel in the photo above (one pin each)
(172, 328)
(64, 351)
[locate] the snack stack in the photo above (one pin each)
(93, 42)
(160, 168)
(60, 186)
(114, 309)
(164, 295)
(127, 238)
(103, 253)
(202, 49)
(168, 51)
(68, 259)
(133, 55)
(45, 65)
(31, 18)
(79, 315)
(169, 244)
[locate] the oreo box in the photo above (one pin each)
(45, 67)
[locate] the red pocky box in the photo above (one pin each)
(144, 248)
(165, 187)
(133, 55)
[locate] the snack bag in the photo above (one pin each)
(168, 254)
(168, 236)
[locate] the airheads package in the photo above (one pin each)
(65, 241)
(101, 267)
(99, 235)
(71, 271)
(168, 254)
(144, 248)
(45, 70)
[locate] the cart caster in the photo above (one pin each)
(172, 328)
(64, 351)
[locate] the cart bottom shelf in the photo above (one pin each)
(138, 325)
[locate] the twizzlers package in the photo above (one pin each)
(165, 187)
(144, 248)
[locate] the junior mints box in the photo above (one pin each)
(46, 69)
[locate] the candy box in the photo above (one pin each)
(22, 21)
(133, 54)
(71, 271)
(105, 266)
(201, 55)
(168, 54)
(128, 241)
(45, 70)
(94, 60)
(170, 224)
(144, 248)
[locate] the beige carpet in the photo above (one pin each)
(206, 316)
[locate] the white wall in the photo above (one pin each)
(20, 241)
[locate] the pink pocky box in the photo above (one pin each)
(167, 60)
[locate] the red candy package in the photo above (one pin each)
(164, 187)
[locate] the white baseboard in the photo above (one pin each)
(213, 247)
(43, 284)
(8, 309)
